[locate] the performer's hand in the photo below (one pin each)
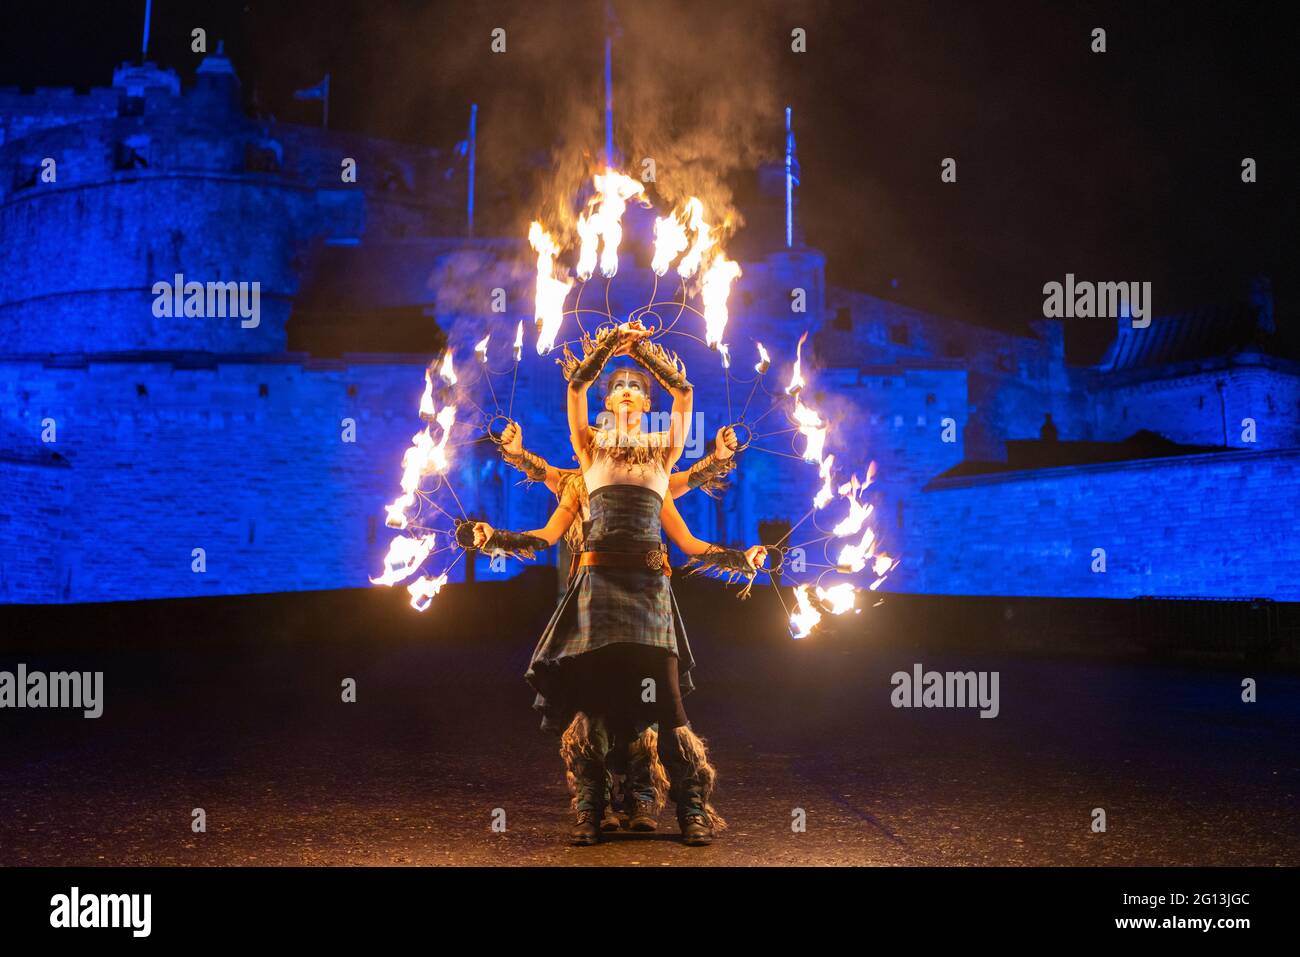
(725, 445)
(482, 532)
(629, 333)
(512, 438)
(756, 555)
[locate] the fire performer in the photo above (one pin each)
(615, 650)
(644, 782)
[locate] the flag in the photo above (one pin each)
(320, 91)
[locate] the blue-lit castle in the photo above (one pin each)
(131, 437)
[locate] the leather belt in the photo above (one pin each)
(655, 559)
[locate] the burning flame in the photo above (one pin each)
(827, 491)
(423, 457)
(670, 239)
(796, 375)
(426, 400)
(809, 608)
(764, 361)
(812, 428)
(447, 372)
(805, 617)
(552, 290)
(405, 554)
(480, 350)
(423, 590)
(603, 223)
(519, 341)
(717, 287)
(853, 558)
(726, 355)
(703, 242)
(838, 598)
(852, 523)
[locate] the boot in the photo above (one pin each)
(697, 829)
(585, 830)
(643, 817)
(591, 799)
(686, 787)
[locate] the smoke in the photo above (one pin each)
(694, 91)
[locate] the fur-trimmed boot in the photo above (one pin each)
(691, 781)
(583, 749)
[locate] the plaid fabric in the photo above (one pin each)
(610, 605)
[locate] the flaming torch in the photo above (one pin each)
(551, 289)
(717, 287)
(603, 223)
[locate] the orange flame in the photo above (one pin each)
(603, 223)
(717, 287)
(552, 290)
(423, 590)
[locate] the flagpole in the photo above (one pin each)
(144, 44)
(473, 146)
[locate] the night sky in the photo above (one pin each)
(1116, 166)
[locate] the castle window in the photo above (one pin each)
(132, 153)
(1200, 401)
(352, 392)
(141, 390)
(263, 390)
(929, 398)
(132, 106)
(843, 319)
(899, 334)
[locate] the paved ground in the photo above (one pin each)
(442, 734)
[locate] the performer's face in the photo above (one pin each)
(628, 395)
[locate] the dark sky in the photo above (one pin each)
(1116, 166)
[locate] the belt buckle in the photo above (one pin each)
(654, 559)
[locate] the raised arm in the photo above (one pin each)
(534, 467)
(669, 372)
(581, 373)
(708, 473)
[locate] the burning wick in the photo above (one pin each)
(447, 372)
(764, 361)
(519, 341)
(480, 350)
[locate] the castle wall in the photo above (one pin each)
(1190, 408)
(1190, 526)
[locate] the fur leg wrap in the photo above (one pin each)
(582, 749)
(667, 368)
(699, 776)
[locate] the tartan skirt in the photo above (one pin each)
(615, 627)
